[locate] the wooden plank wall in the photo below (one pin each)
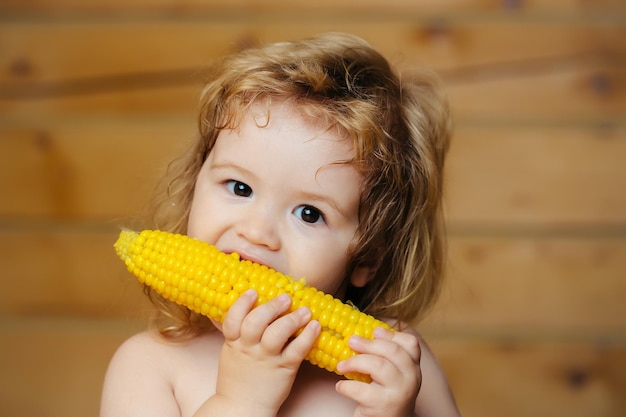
(96, 95)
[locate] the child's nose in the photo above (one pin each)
(259, 229)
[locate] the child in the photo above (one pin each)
(315, 159)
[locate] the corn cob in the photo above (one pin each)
(204, 279)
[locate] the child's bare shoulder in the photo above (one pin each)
(132, 374)
(166, 375)
(435, 397)
(136, 353)
(148, 344)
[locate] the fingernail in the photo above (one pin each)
(284, 298)
(381, 333)
(315, 325)
(303, 312)
(355, 341)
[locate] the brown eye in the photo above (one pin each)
(309, 214)
(239, 188)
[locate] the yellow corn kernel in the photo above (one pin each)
(204, 279)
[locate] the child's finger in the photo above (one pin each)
(396, 380)
(401, 355)
(256, 321)
(358, 392)
(237, 313)
(408, 341)
(282, 329)
(384, 359)
(378, 400)
(299, 347)
(382, 370)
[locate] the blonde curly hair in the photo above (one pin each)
(400, 128)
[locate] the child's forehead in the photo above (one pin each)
(285, 150)
(293, 121)
(266, 107)
(312, 116)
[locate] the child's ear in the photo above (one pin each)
(362, 275)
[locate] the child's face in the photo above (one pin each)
(278, 195)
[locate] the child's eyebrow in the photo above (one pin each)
(230, 165)
(310, 196)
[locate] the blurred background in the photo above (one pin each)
(96, 96)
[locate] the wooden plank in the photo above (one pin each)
(500, 284)
(568, 95)
(496, 70)
(538, 379)
(543, 284)
(557, 175)
(498, 175)
(42, 51)
(80, 171)
(360, 6)
(67, 273)
(152, 102)
(55, 368)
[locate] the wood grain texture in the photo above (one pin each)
(541, 379)
(55, 368)
(57, 51)
(75, 274)
(555, 176)
(534, 285)
(89, 171)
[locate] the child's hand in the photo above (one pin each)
(260, 356)
(392, 359)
